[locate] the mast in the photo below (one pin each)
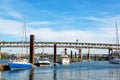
(24, 37)
(117, 38)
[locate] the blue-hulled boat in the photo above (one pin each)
(19, 64)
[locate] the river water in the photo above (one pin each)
(98, 70)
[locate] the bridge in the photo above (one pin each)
(76, 45)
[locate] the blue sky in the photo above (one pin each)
(60, 20)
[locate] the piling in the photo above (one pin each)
(80, 54)
(55, 52)
(88, 56)
(71, 57)
(32, 49)
(65, 51)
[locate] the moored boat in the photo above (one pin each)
(64, 59)
(115, 61)
(44, 63)
(19, 64)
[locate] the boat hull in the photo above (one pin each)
(44, 63)
(115, 61)
(20, 65)
(64, 59)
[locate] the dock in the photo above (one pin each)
(4, 67)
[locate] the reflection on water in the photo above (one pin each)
(74, 71)
(31, 75)
(55, 72)
(1, 76)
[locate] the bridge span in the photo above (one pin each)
(76, 45)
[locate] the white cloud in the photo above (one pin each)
(41, 23)
(105, 33)
(9, 27)
(47, 34)
(108, 19)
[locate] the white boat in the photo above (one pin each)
(114, 57)
(115, 61)
(43, 62)
(64, 59)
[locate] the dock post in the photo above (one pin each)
(88, 56)
(32, 49)
(80, 54)
(55, 52)
(71, 57)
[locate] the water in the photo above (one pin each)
(76, 71)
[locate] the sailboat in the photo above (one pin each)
(115, 55)
(18, 62)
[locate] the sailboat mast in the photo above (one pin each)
(24, 37)
(117, 38)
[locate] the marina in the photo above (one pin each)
(69, 68)
(59, 40)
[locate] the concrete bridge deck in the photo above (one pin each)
(77, 45)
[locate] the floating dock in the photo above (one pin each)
(4, 67)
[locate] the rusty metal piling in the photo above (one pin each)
(32, 49)
(71, 57)
(88, 56)
(55, 52)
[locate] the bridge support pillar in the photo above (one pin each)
(80, 54)
(76, 57)
(88, 56)
(32, 49)
(55, 52)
